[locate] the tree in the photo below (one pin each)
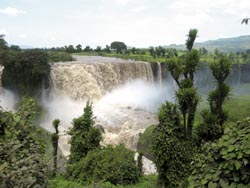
(107, 49)
(84, 137)
(55, 138)
(172, 153)
(98, 49)
(79, 48)
(26, 72)
(119, 47)
(182, 70)
(87, 49)
(3, 50)
(70, 49)
(211, 128)
(133, 50)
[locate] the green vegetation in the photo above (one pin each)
(59, 56)
(84, 137)
(119, 47)
(22, 155)
(224, 163)
(171, 151)
(88, 162)
(147, 181)
(54, 139)
(25, 71)
(182, 70)
(211, 128)
(109, 164)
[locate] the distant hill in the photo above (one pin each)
(234, 44)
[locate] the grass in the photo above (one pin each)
(147, 181)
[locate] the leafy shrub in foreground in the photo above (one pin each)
(225, 163)
(171, 151)
(22, 161)
(110, 164)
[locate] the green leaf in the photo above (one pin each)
(212, 185)
(223, 183)
(237, 165)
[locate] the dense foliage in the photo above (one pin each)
(26, 71)
(171, 151)
(21, 154)
(84, 137)
(225, 163)
(109, 164)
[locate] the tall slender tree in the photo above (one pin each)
(182, 70)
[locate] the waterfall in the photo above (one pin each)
(88, 79)
(1, 72)
(159, 73)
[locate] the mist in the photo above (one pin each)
(7, 99)
(134, 95)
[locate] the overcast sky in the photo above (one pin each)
(139, 23)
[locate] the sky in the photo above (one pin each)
(138, 23)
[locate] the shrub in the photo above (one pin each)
(22, 161)
(225, 163)
(110, 164)
(171, 151)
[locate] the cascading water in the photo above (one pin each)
(1, 72)
(7, 98)
(90, 78)
(126, 95)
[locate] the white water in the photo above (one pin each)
(124, 112)
(7, 99)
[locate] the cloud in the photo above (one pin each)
(139, 9)
(22, 36)
(4, 32)
(11, 11)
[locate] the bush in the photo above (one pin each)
(171, 151)
(22, 161)
(110, 164)
(225, 163)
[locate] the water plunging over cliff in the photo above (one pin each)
(1, 72)
(126, 95)
(89, 78)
